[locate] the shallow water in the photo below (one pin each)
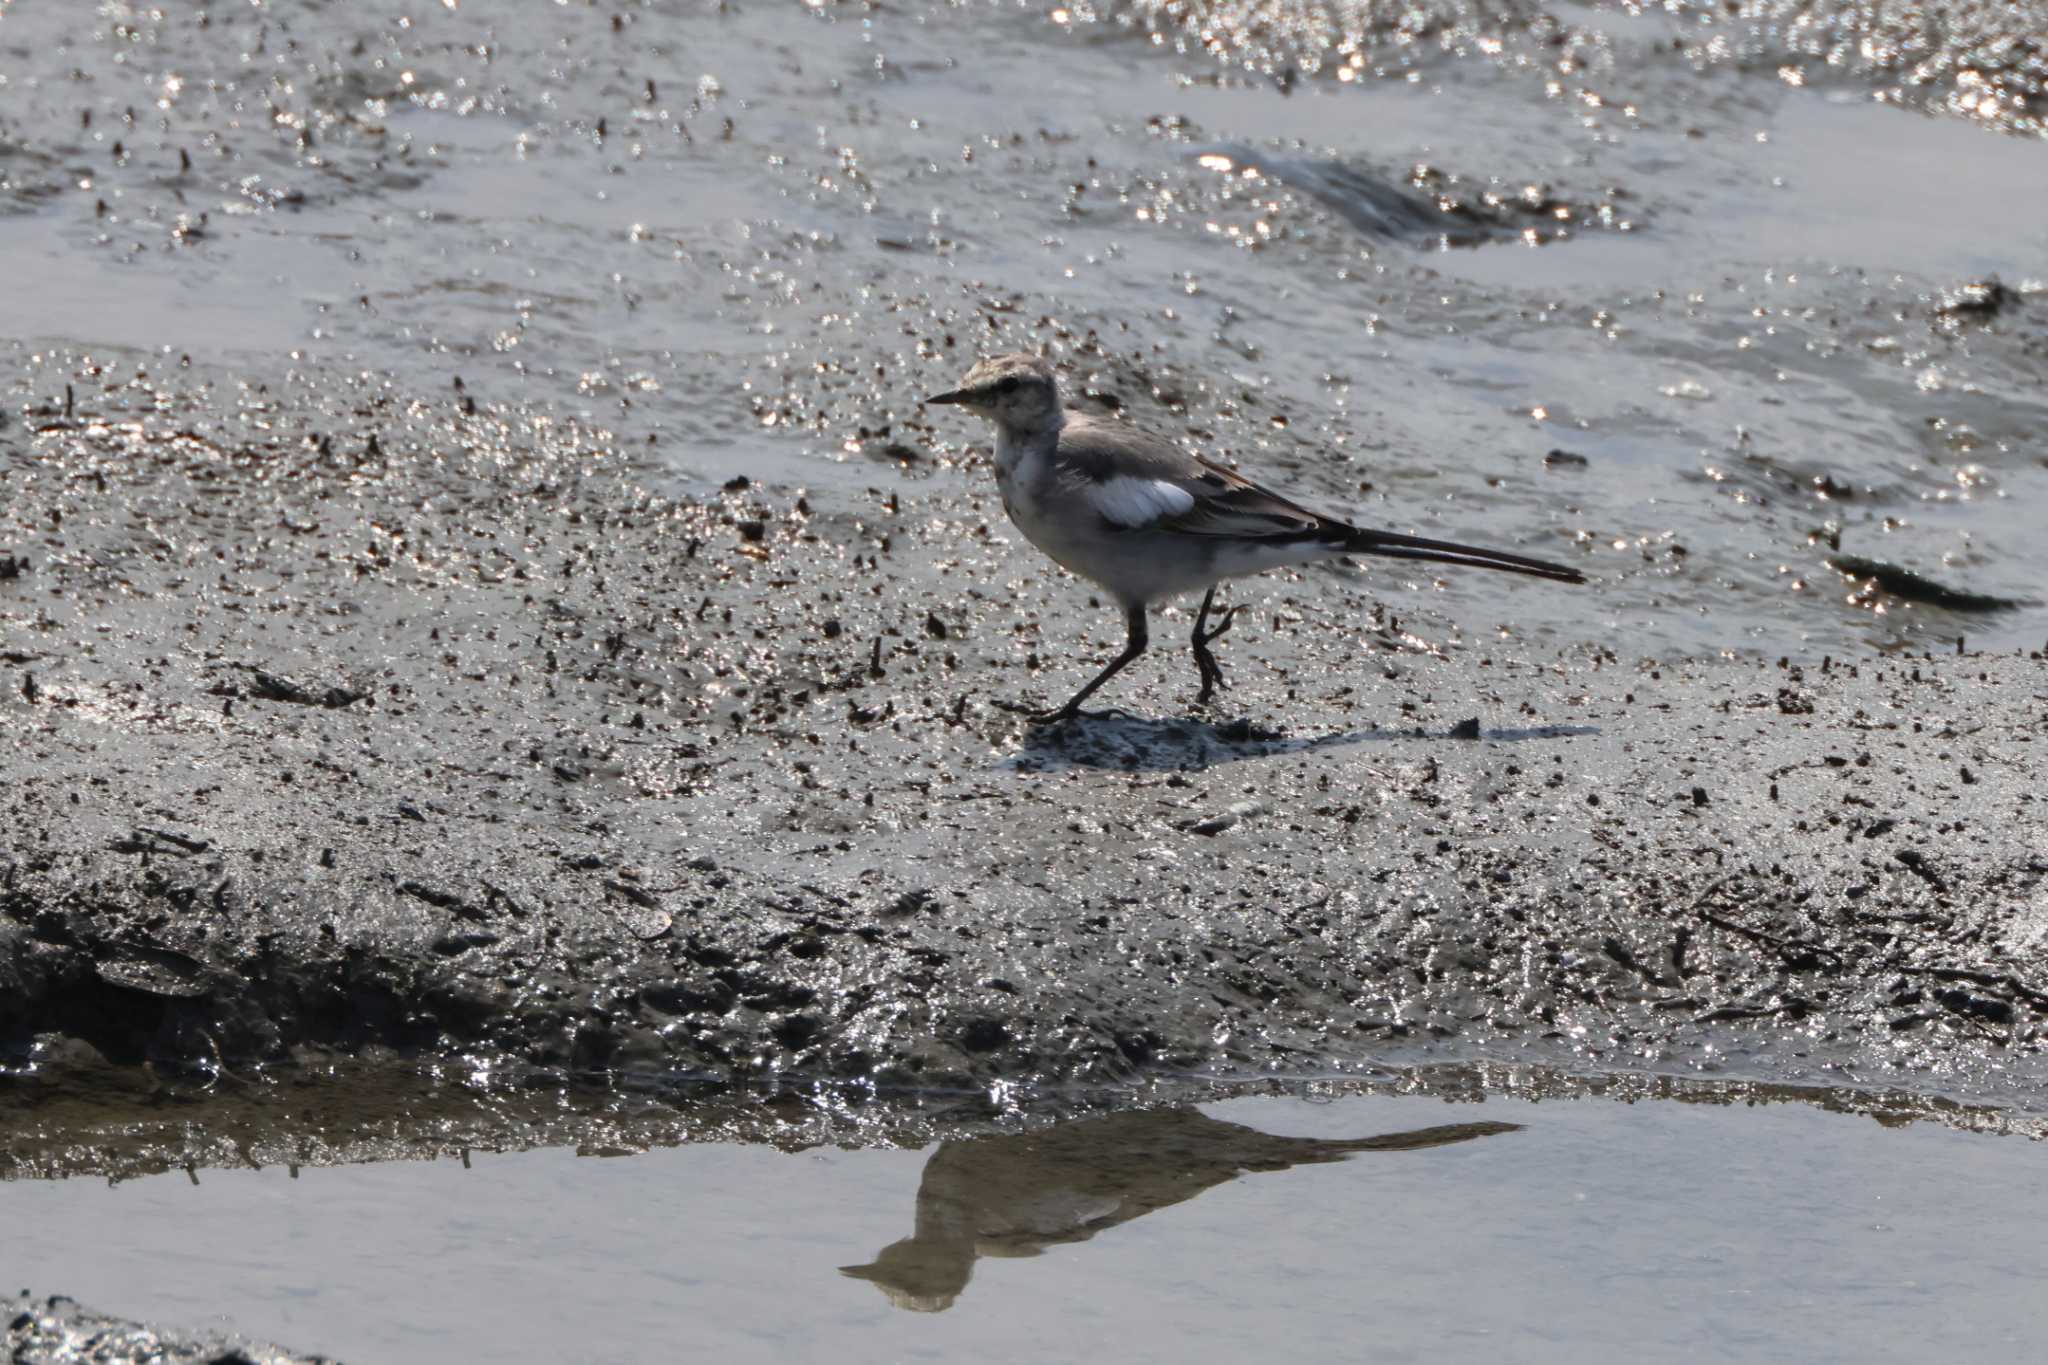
(748, 240)
(1590, 1230)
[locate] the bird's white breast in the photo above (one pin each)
(1100, 529)
(1024, 476)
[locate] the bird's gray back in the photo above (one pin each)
(1096, 450)
(1103, 460)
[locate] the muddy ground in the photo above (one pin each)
(59, 1328)
(344, 719)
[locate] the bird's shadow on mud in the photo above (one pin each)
(1112, 739)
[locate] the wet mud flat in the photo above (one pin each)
(340, 719)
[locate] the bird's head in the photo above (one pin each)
(920, 1274)
(1015, 390)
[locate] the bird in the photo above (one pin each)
(1145, 519)
(1018, 1194)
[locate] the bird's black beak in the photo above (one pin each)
(956, 396)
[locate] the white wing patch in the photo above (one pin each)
(1136, 502)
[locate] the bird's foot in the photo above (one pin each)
(1203, 637)
(1205, 660)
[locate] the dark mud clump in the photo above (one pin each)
(1979, 301)
(1874, 577)
(1430, 206)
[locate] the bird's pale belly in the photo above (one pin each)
(1133, 565)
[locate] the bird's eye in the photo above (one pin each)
(1008, 385)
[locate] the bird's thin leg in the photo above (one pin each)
(1134, 621)
(1212, 672)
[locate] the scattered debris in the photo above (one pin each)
(1877, 576)
(1228, 818)
(276, 687)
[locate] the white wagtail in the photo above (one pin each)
(1137, 514)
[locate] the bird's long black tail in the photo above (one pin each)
(1391, 546)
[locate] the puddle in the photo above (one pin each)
(1585, 1229)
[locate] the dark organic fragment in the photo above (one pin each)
(1913, 587)
(276, 687)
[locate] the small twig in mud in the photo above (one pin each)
(1799, 955)
(1796, 1005)
(1915, 862)
(1713, 889)
(640, 896)
(1227, 818)
(683, 749)
(831, 896)
(496, 892)
(164, 836)
(2038, 999)
(1681, 939)
(146, 841)
(1991, 1009)
(440, 899)
(1618, 952)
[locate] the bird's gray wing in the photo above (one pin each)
(1137, 481)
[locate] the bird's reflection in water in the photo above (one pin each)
(1015, 1196)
